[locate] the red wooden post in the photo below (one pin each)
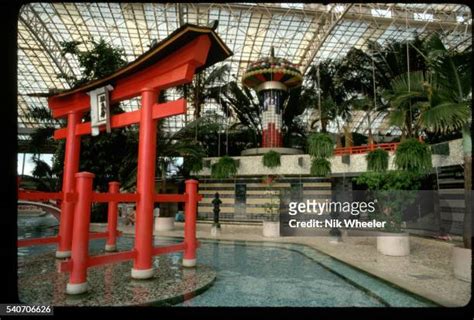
(112, 216)
(142, 264)
(71, 166)
(190, 212)
(80, 238)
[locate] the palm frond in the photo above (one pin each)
(446, 116)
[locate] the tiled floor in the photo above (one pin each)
(426, 271)
(111, 285)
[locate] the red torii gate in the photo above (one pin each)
(172, 62)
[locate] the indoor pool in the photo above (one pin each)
(262, 274)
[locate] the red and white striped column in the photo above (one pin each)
(273, 94)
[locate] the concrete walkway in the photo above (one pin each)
(426, 271)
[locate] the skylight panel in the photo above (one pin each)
(423, 16)
(381, 13)
(293, 5)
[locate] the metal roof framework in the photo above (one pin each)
(303, 33)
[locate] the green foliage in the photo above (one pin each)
(102, 60)
(413, 156)
(44, 178)
(320, 145)
(320, 148)
(271, 159)
(225, 168)
(197, 166)
(272, 207)
(205, 87)
(419, 102)
(394, 192)
(320, 167)
(437, 99)
(377, 160)
(390, 180)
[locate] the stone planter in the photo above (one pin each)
(164, 223)
(461, 259)
(271, 229)
(393, 244)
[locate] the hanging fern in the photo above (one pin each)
(271, 159)
(320, 167)
(225, 168)
(320, 145)
(413, 156)
(320, 148)
(377, 160)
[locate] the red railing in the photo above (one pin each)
(112, 198)
(83, 197)
(365, 149)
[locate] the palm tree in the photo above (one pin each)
(365, 75)
(452, 71)
(438, 101)
(325, 92)
(44, 177)
(242, 104)
(205, 87)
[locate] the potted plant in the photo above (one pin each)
(413, 156)
(271, 223)
(271, 159)
(164, 212)
(164, 217)
(377, 160)
(393, 193)
(225, 168)
(320, 148)
(443, 104)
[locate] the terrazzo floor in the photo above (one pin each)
(112, 285)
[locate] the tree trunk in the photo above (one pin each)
(338, 135)
(348, 136)
(467, 150)
(370, 138)
(324, 125)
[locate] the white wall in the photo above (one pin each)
(252, 165)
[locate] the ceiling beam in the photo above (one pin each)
(326, 25)
(33, 23)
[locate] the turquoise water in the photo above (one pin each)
(262, 274)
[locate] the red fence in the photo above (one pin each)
(365, 149)
(83, 198)
(112, 197)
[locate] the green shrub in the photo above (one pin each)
(394, 191)
(413, 156)
(197, 165)
(320, 167)
(377, 160)
(271, 159)
(320, 145)
(225, 168)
